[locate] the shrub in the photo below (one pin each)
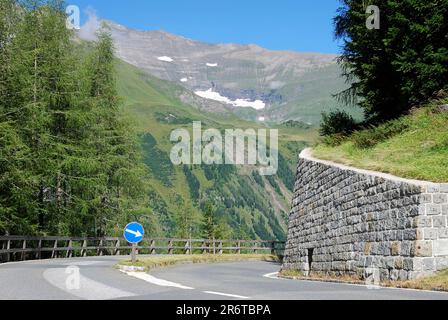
(337, 123)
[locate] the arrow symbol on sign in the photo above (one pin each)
(135, 233)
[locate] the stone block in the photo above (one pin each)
(395, 248)
(433, 188)
(433, 209)
(429, 264)
(441, 247)
(422, 249)
(443, 233)
(426, 198)
(430, 234)
(444, 209)
(441, 263)
(439, 222)
(440, 198)
(444, 187)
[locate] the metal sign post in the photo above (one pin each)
(133, 233)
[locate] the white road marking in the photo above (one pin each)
(89, 289)
(273, 275)
(226, 294)
(158, 282)
(81, 263)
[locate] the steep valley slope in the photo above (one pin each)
(252, 206)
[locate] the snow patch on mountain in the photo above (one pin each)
(165, 59)
(243, 103)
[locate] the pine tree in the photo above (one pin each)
(186, 220)
(115, 142)
(401, 64)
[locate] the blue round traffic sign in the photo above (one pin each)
(134, 232)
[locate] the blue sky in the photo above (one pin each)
(300, 25)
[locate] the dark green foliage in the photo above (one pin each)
(159, 207)
(400, 65)
(277, 229)
(69, 163)
(260, 227)
(258, 179)
(337, 123)
(157, 160)
(193, 183)
(218, 173)
(285, 173)
(213, 225)
(274, 184)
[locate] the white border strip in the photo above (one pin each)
(226, 294)
(153, 280)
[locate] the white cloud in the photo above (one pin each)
(244, 103)
(93, 24)
(165, 58)
(212, 65)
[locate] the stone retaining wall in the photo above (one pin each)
(351, 221)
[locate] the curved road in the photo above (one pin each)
(99, 279)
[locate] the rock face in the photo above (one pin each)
(346, 221)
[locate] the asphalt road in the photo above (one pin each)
(99, 280)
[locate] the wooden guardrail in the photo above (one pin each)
(20, 248)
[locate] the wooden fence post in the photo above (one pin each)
(99, 250)
(8, 247)
(117, 248)
(54, 252)
(238, 245)
(69, 253)
(170, 246)
(204, 247)
(187, 247)
(152, 244)
(84, 248)
(22, 256)
(39, 250)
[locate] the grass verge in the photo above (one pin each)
(436, 282)
(166, 261)
(414, 146)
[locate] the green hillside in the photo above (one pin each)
(414, 146)
(251, 206)
(314, 93)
